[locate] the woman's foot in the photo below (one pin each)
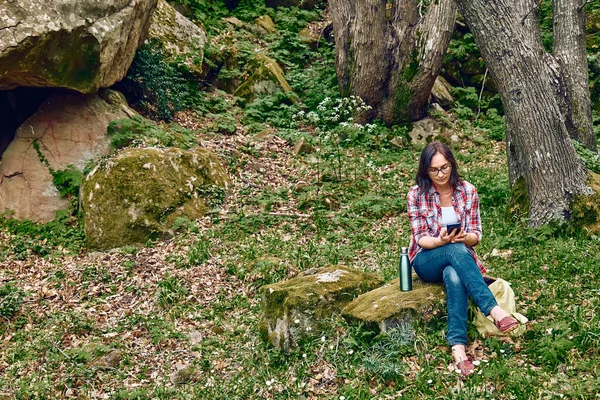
(462, 361)
(503, 321)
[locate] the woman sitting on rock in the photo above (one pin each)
(439, 199)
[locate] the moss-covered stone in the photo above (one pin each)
(268, 78)
(265, 25)
(182, 39)
(387, 307)
(586, 209)
(301, 306)
(137, 195)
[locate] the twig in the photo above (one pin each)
(282, 214)
(481, 94)
(583, 5)
(530, 11)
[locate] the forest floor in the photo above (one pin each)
(179, 318)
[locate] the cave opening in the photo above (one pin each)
(16, 106)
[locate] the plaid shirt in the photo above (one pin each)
(425, 214)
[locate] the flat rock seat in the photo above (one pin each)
(388, 307)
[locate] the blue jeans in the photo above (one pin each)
(454, 265)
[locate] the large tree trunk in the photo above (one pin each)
(540, 154)
(390, 57)
(570, 50)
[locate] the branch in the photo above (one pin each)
(530, 11)
(585, 2)
(481, 93)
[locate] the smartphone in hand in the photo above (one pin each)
(452, 228)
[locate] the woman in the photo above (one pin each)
(441, 198)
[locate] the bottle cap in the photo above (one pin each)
(405, 249)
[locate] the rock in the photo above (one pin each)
(265, 25)
(137, 195)
(184, 374)
(110, 360)
(70, 129)
(82, 45)
(309, 37)
(302, 306)
(425, 131)
(263, 136)
(387, 307)
(302, 147)
(441, 92)
(233, 21)
(268, 78)
(196, 337)
(179, 36)
(305, 4)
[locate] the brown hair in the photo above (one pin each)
(423, 179)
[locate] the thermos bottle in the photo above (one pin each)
(404, 271)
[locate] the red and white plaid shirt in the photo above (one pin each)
(425, 214)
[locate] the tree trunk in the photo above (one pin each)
(570, 50)
(540, 154)
(390, 57)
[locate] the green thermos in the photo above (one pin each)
(405, 272)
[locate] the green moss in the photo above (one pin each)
(309, 301)
(267, 78)
(138, 195)
(518, 205)
(410, 69)
(585, 210)
(402, 99)
(388, 302)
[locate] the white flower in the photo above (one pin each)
(303, 355)
(323, 338)
(429, 381)
(296, 321)
(350, 351)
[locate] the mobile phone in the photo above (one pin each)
(451, 228)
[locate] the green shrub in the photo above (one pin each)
(155, 85)
(171, 292)
(11, 298)
(140, 131)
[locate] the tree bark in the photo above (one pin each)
(390, 57)
(569, 48)
(540, 154)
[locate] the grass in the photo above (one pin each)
(192, 302)
(147, 302)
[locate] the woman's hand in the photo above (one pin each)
(451, 238)
(468, 238)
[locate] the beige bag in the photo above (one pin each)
(506, 299)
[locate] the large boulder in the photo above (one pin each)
(68, 129)
(179, 36)
(388, 307)
(137, 195)
(441, 92)
(304, 305)
(82, 45)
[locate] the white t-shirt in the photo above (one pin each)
(448, 216)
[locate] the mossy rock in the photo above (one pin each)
(302, 306)
(182, 39)
(137, 195)
(388, 307)
(268, 78)
(265, 25)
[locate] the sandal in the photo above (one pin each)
(507, 324)
(466, 367)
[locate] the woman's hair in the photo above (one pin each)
(423, 179)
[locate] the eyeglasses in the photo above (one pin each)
(436, 171)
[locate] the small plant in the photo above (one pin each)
(11, 298)
(171, 291)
